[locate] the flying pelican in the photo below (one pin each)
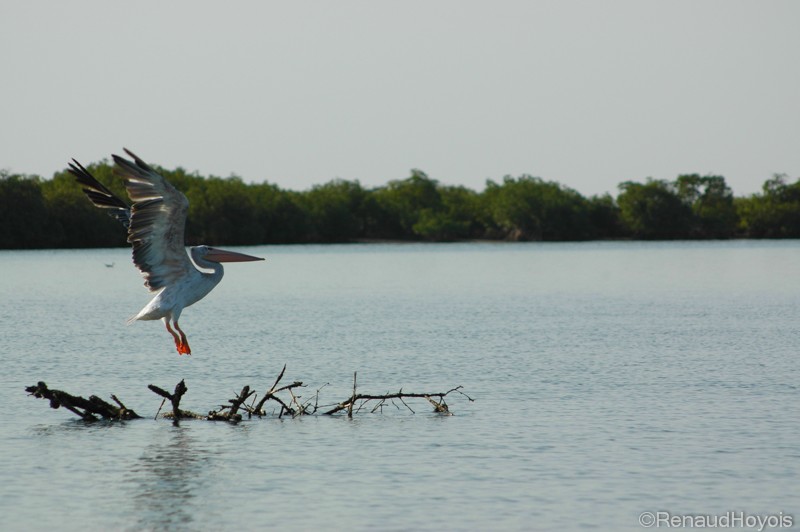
(155, 224)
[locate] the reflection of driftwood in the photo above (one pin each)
(87, 409)
(284, 396)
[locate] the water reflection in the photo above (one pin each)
(74, 425)
(167, 479)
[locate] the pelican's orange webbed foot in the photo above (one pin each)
(183, 345)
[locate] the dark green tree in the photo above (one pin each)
(399, 206)
(653, 210)
(775, 213)
(456, 218)
(529, 208)
(23, 212)
(604, 217)
(74, 221)
(335, 211)
(711, 202)
(225, 213)
(279, 215)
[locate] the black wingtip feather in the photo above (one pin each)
(99, 195)
(139, 162)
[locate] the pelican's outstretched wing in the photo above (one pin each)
(100, 195)
(158, 217)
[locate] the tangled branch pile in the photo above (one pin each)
(287, 400)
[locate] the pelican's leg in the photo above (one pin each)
(184, 348)
(179, 343)
(174, 335)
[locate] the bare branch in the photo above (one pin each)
(90, 409)
(87, 409)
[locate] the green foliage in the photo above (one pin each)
(278, 215)
(529, 208)
(73, 221)
(335, 211)
(225, 212)
(400, 205)
(653, 210)
(38, 213)
(23, 213)
(711, 201)
(692, 206)
(775, 213)
(604, 217)
(420, 208)
(458, 216)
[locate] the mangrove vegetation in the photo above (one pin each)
(53, 213)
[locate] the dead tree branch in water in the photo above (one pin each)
(232, 414)
(258, 409)
(439, 406)
(175, 399)
(87, 409)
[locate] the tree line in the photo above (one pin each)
(53, 213)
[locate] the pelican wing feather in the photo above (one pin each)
(99, 195)
(158, 218)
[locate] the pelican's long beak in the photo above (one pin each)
(221, 255)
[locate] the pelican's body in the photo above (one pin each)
(155, 225)
(188, 290)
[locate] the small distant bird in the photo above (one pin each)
(155, 224)
(109, 265)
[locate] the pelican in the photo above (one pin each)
(155, 224)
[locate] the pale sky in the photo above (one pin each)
(297, 93)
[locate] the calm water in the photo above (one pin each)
(610, 379)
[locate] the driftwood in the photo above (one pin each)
(87, 409)
(438, 406)
(175, 399)
(232, 410)
(271, 394)
(285, 397)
